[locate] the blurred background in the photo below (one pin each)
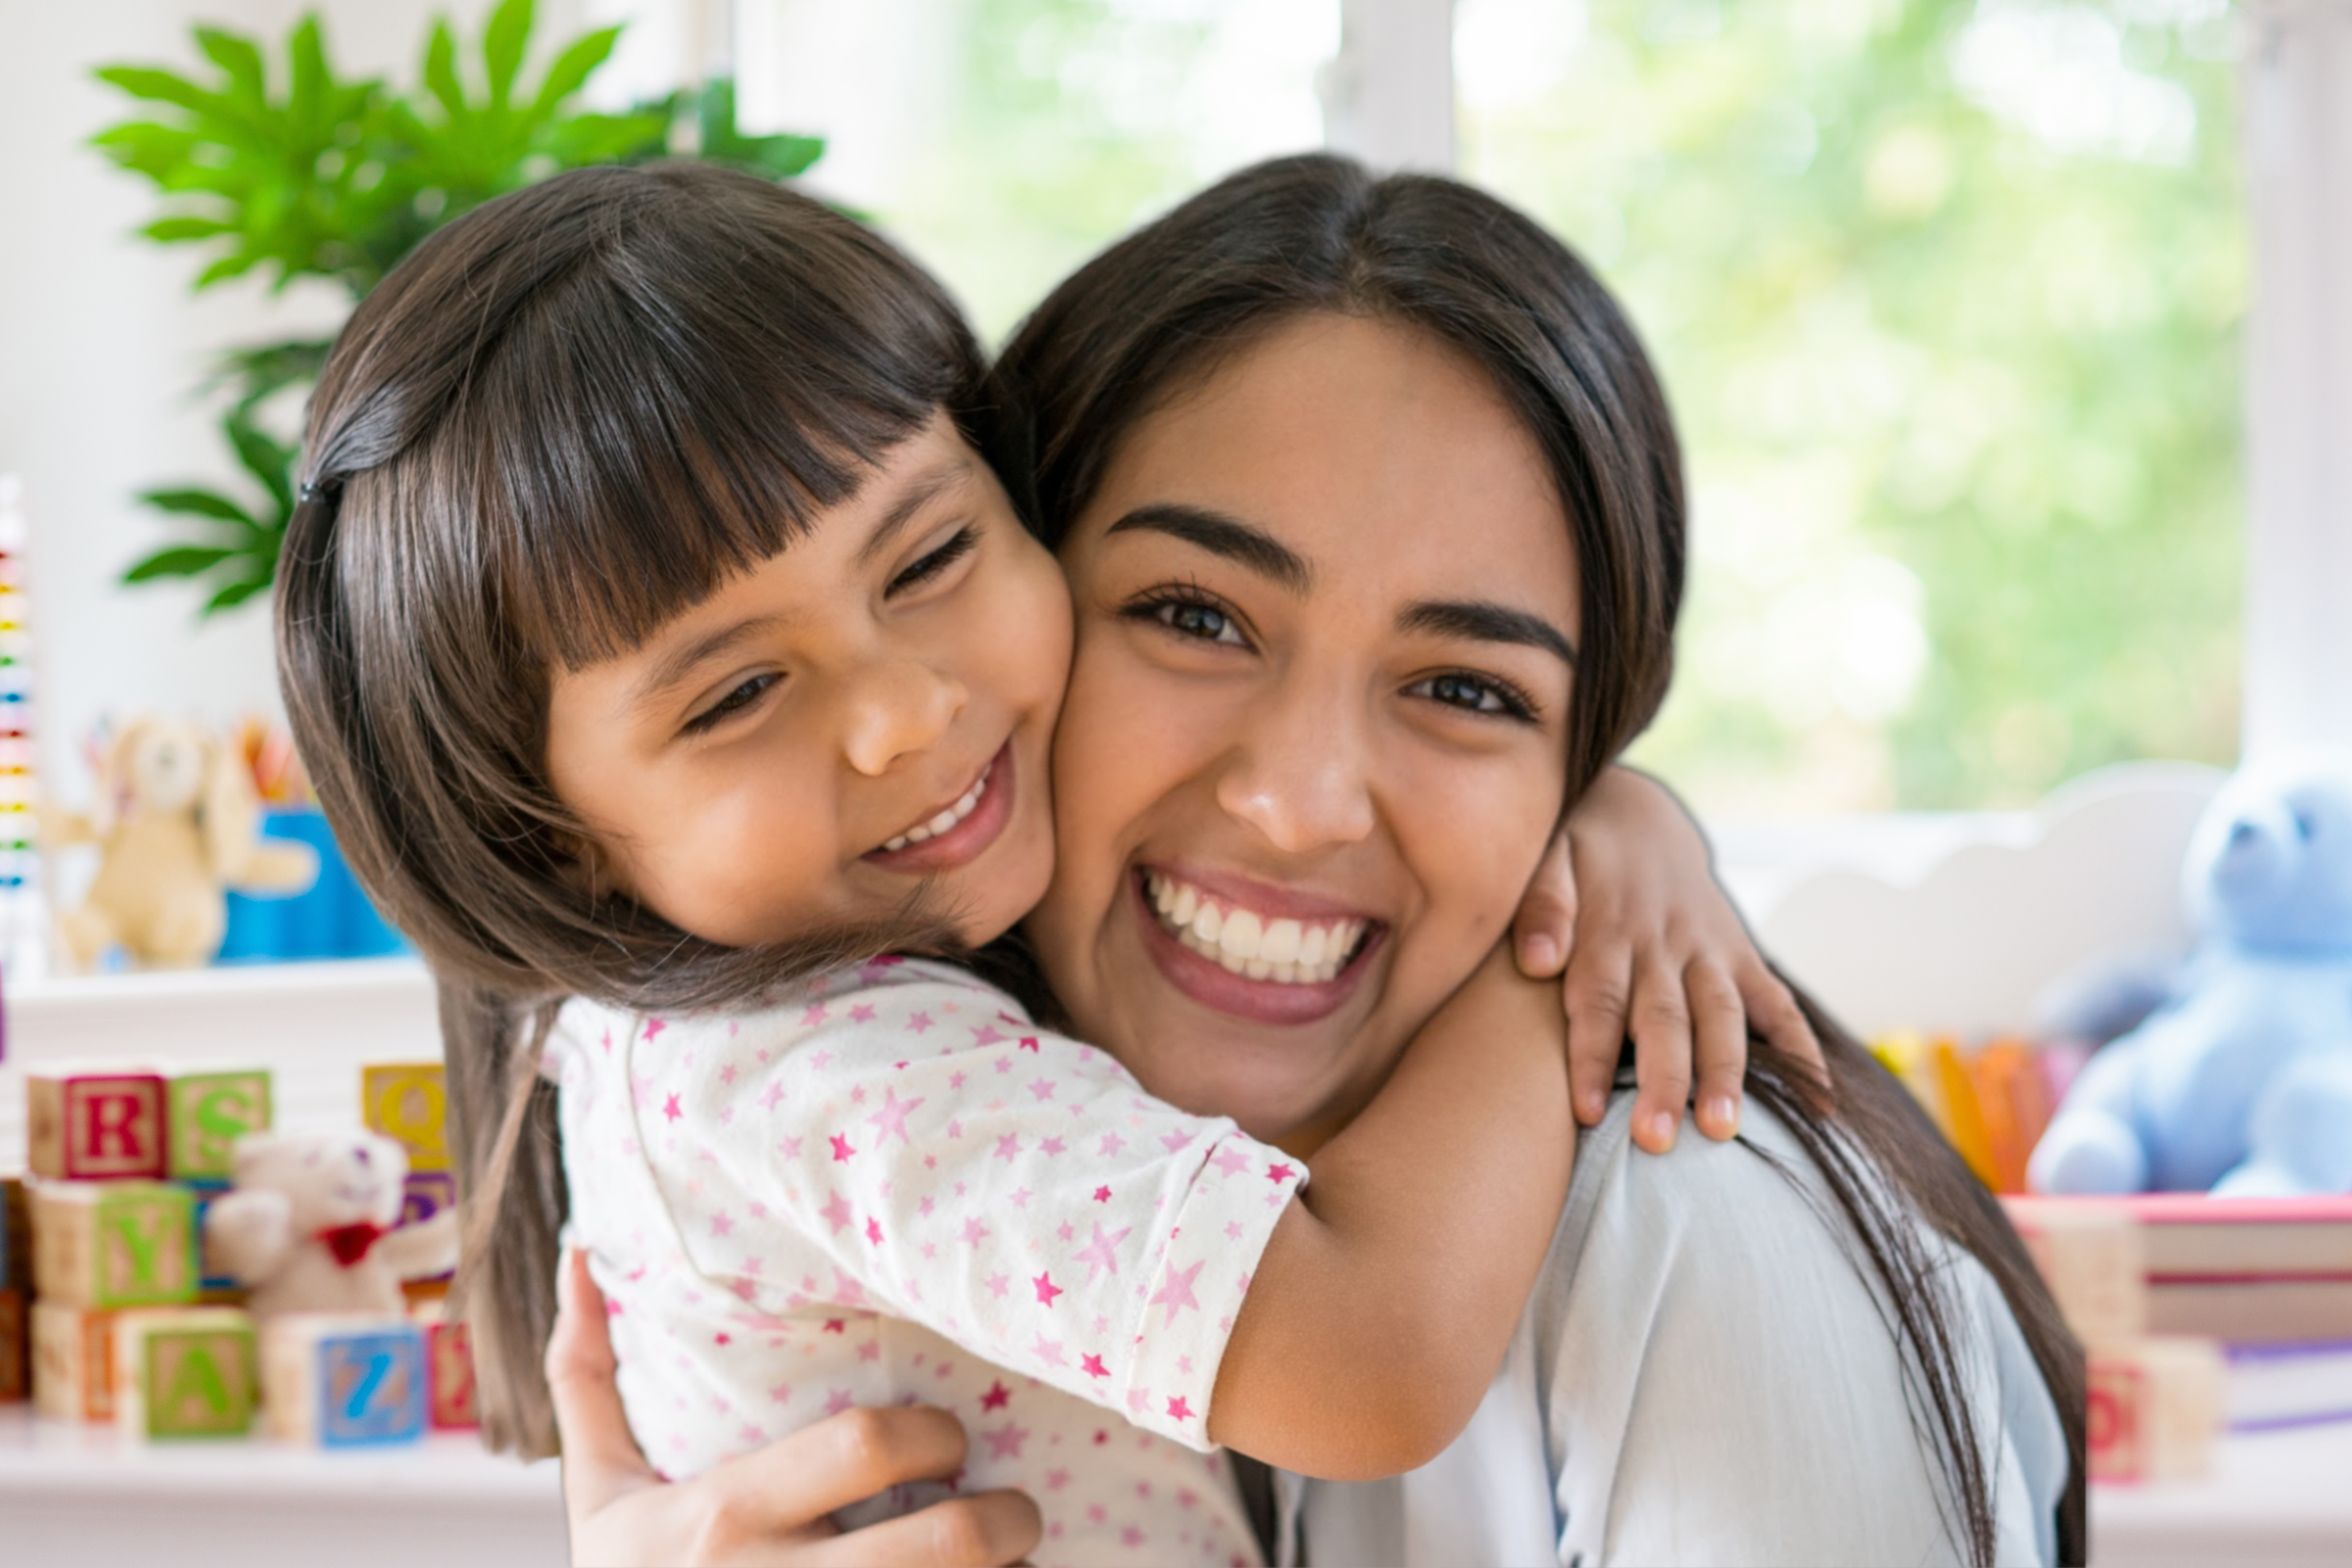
(1948, 296)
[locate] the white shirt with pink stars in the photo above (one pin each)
(889, 1187)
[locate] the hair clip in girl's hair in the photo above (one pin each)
(320, 490)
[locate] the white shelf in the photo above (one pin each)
(82, 1494)
(2275, 1500)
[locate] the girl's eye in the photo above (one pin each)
(1195, 619)
(938, 562)
(1476, 694)
(742, 696)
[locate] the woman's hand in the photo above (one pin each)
(1627, 902)
(770, 1506)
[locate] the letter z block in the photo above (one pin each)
(208, 1112)
(96, 1126)
(114, 1244)
(409, 1103)
(186, 1372)
(73, 1363)
(343, 1381)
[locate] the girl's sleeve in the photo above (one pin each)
(1014, 1190)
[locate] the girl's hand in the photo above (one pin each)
(770, 1506)
(1626, 900)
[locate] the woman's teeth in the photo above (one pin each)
(944, 821)
(1288, 952)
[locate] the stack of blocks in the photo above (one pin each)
(2155, 1400)
(105, 1314)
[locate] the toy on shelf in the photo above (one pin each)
(330, 919)
(177, 824)
(1991, 1102)
(309, 1225)
(186, 1372)
(73, 1362)
(449, 1369)
(2242, 1082)
(92, 1126)
(102, 1245)
(342, 1380)
(16, 1346)
(22, 917)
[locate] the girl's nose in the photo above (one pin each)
(898, 709)
(1301, 780)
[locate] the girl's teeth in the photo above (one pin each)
(943, 821)
(1286, 951)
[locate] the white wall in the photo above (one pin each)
(102, 345)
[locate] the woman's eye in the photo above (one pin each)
(1474, 695)
(742, 696)
(1203, 623)
(938, 562)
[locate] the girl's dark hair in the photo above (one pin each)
(568, 416)
(1162, 308)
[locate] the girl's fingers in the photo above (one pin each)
(1772, 1012)
(1662, 1055)
(989, 1530)
(1543, 932)
(600, 1461)
(1720, 1027)
(773, 1492)
(1598, 991)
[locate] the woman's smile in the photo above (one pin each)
(1249, 949)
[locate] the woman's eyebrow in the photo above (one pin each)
(1487, 622)
(1242, 543)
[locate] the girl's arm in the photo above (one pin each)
(1390, 1288)
(1627, 903)
(772, 1505)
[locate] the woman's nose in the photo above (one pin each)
(896, 710)
(1302, 782)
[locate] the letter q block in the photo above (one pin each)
(92, 1126)
(409, 1103)
(343, 1381)
(208, 1112)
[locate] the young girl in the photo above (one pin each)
(663, 653)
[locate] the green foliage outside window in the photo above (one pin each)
(298, 172)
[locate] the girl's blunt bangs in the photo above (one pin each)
(678, 404)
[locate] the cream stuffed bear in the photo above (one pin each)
(309, 1226)
(177, 822)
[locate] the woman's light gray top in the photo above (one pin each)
(1704, 1374)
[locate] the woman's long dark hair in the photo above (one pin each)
(568, 416)
(1162, 308)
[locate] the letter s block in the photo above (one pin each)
(114, 1244)
(409, 1103)
(208, 1112)
(186, 1372)
(343, 1381)
(92, 1126)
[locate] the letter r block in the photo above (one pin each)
(208, 1112)
(93, 1126)
(409, 1103)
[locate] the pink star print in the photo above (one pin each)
(1176, 1291)
(727, 1074)
(998, 1282)
(1004, 1442)
(996, 1395)
(842, 1147)
(1098, 1255)
(1278, 1172)
(973, 1231)
(837, 1401)
(654, 1028)
(670, 1110)
(836, 1213)
(1028, 1042)
(1092, 1366)
(773, 1097)
(862, 1013)
(919, 1022)
(984, 1034)
(1048, 1351)
(815, 1015)
(1042, 1088)
(892, 1117)
(1230, 1160)
(720, 1224)
(1175, 1141)
(1111, 1144)
(874, 1231)
(1178, 1410)
(1007, 1146)
(1052, 1146)
(1102, 1195)
(1047, 1289)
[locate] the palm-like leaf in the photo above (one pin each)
(240, 554)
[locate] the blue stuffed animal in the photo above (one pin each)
(2243, 1082)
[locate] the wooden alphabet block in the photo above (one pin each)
(15, 1347)
(16, 1236)
(2156, 1406)
(92, 1126)
(449, 1369)
(73, 1363)
(409, 1103)
(2092, 1258)
(114, 1244)
(186, 1372)
(424, 1194)
(340, 1380)
(207, 1112)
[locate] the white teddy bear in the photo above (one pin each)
(309, 1227)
